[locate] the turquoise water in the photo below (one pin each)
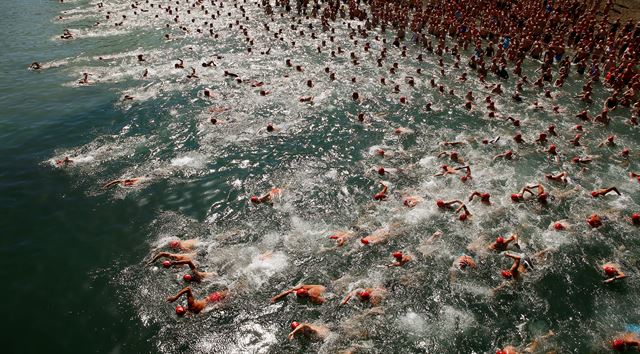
(75, 279)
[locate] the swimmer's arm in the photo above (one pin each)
(300, 329)
(473, 195)
(282, 295)
(463, 207)
(111, 183)
(158, 256)
(617, 277)
(348, 297)
(444, 153)
(186, 290)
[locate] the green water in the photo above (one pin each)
(74, 254)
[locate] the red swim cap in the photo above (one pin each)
(398, 131)
(500, 240)
(294, 324)
(187, 277)
(485, 196)
(302, 292)
(440, 203)
(454, 155)
(558, 226)
(214, 297)
(485, 141)
(610, 138)
(333, 237)
(515, 197)
(579, 127)
(255, 199)
(635, 218)
(594, 221)
(594, 194)
(552, 149)
(618, 344)
(507, 274)
(576, 159)
(609, 270)
(174, 244)
(397, 255)
(500, 352)
(166, 264)
(180, 311)
(463, 216)
(364, 241)
(364, 295)
(464, 178)
(381, 171)
(380, 152)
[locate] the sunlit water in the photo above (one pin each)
(76, 253)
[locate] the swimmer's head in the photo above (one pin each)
(302, 292)
(463, 216)
(558, 226)
(464, 178)
(609, 270)
(187, 277)
(594, 194)
(485, 196)
(506, 274)
(500, 240)
(515, 197)
(364, 295)
(364, 241)
(174, 244)
(454, 155)
(214, 297)
(542, 197)
(255, 199)
(380, 152)
(180, 311)
(166, 264)
(397, 255)
(294, 325)
(635, 219)
(440, 203)
(381, 171)
(618, 345)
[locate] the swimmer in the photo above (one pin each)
(401, 259)
(183, 245)
(124, 182)
(604, 191)
(85, 79)
(610, 141)
(613, 272)
(508, 155)
(196, 306)
(193, 74)
(382, 195)
(380, 235)
(454, 156)
(35, 66)
(312, 292)
(64, 162)
(172, 256)
(411, 201)
(484, 197)
(560, 177)
(541, 195)
(268, 197)
(594, 220)
(626, 341)
(341, 237)
(308, 330)
(501, 244)
(373, 296)
(461, 263)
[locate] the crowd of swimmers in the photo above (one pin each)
(491, 40)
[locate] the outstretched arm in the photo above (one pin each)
(476, 193)
(111, 183)
(158, 256)
(282, 295)
(187, 291)
(348, 297)
(612, 189)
